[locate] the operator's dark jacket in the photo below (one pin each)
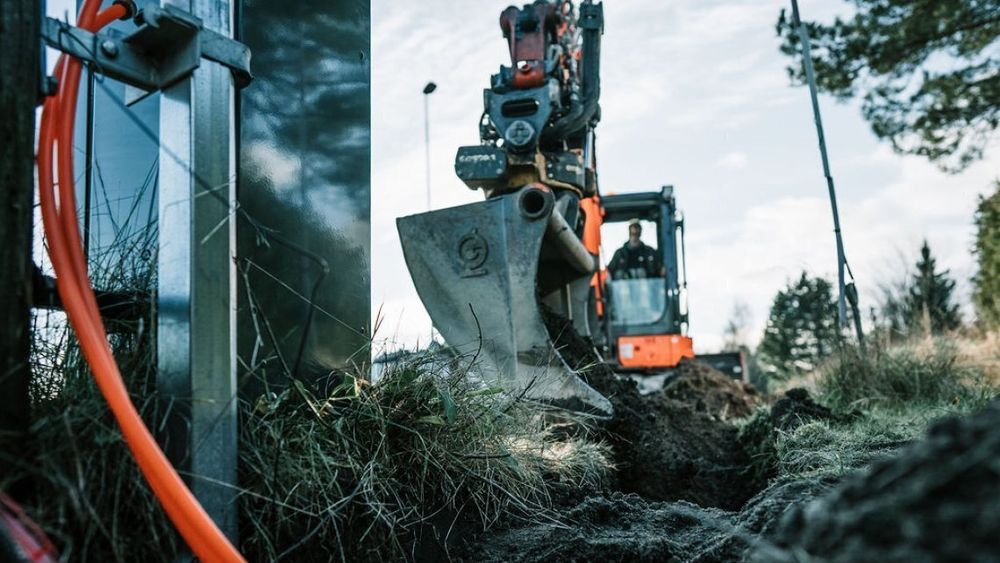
(632, 263)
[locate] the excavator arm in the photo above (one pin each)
(486, 271)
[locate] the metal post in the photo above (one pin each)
(19, 78)
(841, 259)
(196, 354)
(811, 79)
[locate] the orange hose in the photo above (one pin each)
(204, 538)
(112, 13)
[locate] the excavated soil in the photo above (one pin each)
(686, 489)
(712, 392)
(937, 500)
(666, 449)
(797, 407)
(681, 472)
(620, 527)
(614, 528)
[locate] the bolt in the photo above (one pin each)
(109, 48)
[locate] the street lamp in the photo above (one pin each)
(428, 90)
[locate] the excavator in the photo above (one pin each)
(491, 273)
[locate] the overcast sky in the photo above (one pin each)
(694, 94)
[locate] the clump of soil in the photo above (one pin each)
(797, 408)
(759, 435)
(711, 391)
(664, 449)
(935, 501)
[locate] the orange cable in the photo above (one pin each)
(204, 538)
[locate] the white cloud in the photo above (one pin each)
(695, 94)
(736, 160)
(775, 240)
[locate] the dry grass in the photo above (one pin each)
(367, 472)
(982, 350)
(400, 468)
(86, 491)
(88, 494)
(884, 401)
(944, 369)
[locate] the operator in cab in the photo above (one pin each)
(635, 260)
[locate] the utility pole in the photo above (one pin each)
(20, 74)
(847, 292)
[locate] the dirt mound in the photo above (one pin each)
(796, 407)
(935, 501)
(711, 391)
(664, 449)
(616, 528)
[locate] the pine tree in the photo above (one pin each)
(801, 328)
(986, 283)
(927, 72)
(928, 303)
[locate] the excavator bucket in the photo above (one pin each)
(476, 268)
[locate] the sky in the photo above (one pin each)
(694, 94)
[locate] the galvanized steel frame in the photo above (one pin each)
(196, 322)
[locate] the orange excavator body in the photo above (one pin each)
(653, 351)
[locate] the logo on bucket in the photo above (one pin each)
(472, 252)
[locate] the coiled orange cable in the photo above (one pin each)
(204, 538)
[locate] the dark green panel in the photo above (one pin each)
(304, 178)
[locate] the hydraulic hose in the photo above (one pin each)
(200, 533)
(585, 109)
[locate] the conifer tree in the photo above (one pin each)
(927, 72)
(929, 303)
(986, 283)
(801, 328)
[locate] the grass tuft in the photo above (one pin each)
(399, 468)
(903, 377)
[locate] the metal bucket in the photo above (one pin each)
(476, 270)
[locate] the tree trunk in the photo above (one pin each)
(19, 80)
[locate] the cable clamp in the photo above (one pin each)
(167, 47)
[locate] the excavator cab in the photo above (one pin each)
(645, 316)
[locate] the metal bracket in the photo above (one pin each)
(167, 47)
(113, 305)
